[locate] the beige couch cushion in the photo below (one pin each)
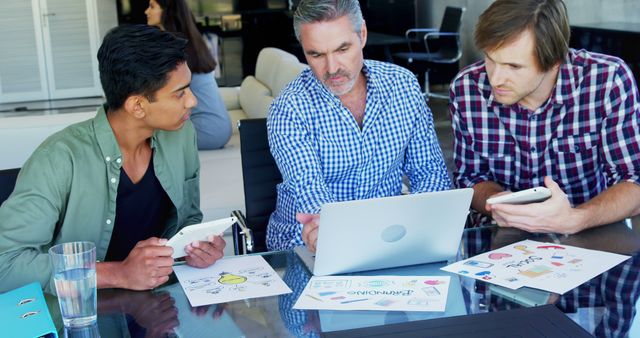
(275, 68)
(230, 97)
(255, 98)
(289, 71)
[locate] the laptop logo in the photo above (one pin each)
(393, 233)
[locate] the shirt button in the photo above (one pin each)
(534, 175)
(113, 180)
(577, 148)
(119, 160)
(533, 117)
(108, 221)
(108, 158)
(533, 149)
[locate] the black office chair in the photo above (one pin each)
(8, 179)
(260, 175)
(433, 49)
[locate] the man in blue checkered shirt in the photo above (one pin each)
(535, 112)
(347, 128)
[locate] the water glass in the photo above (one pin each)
(74, 274)
(89, 331)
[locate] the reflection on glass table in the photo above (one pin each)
(604, 306)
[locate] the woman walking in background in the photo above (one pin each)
(209, 116)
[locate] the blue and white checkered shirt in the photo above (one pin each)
(324, 156)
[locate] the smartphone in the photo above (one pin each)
(532, 195)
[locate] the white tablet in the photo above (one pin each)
(532, 195)
(197, 232)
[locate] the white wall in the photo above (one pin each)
(580, 12)
(107, 16)
(586, 11)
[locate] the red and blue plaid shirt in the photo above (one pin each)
(586, 135)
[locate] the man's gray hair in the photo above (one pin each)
(311, 11)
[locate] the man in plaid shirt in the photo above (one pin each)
(346, 128)
(536, 113)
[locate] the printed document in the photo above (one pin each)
(384, 293)
(230, 279)
(546, 266)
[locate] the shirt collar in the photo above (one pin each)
(484, 87)
(567, 83)
(372, 76)
(106, 138)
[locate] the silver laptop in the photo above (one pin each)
(388, 232)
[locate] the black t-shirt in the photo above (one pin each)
(141, 212)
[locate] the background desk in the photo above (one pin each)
(604, 306)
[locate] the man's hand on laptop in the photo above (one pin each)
(310, 224)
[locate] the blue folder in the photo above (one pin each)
(24, 313)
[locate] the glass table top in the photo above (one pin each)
(604, 306)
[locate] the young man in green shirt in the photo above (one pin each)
(126, 180)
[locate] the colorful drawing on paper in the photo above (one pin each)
(499, 255)
(230, 279)
(536, 271)
(523, 248)
(478, 264)
(389, 293)
(410, 283)
(434, 282)
(431, 291)
(547, 266)
(555, 247)
(227, 281)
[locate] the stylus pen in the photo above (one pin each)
(354, 300)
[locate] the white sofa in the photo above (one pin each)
(221, 173)
(275, 68)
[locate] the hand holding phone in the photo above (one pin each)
(532, 195)
(197, 232)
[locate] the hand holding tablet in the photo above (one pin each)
(197, 232)
(532, 195)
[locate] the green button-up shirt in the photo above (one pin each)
(67, 191)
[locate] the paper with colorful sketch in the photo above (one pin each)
(385, 293)
(230, 279)
(552, 267)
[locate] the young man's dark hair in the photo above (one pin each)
(135, 59)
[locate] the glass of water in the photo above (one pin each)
(74, 274)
